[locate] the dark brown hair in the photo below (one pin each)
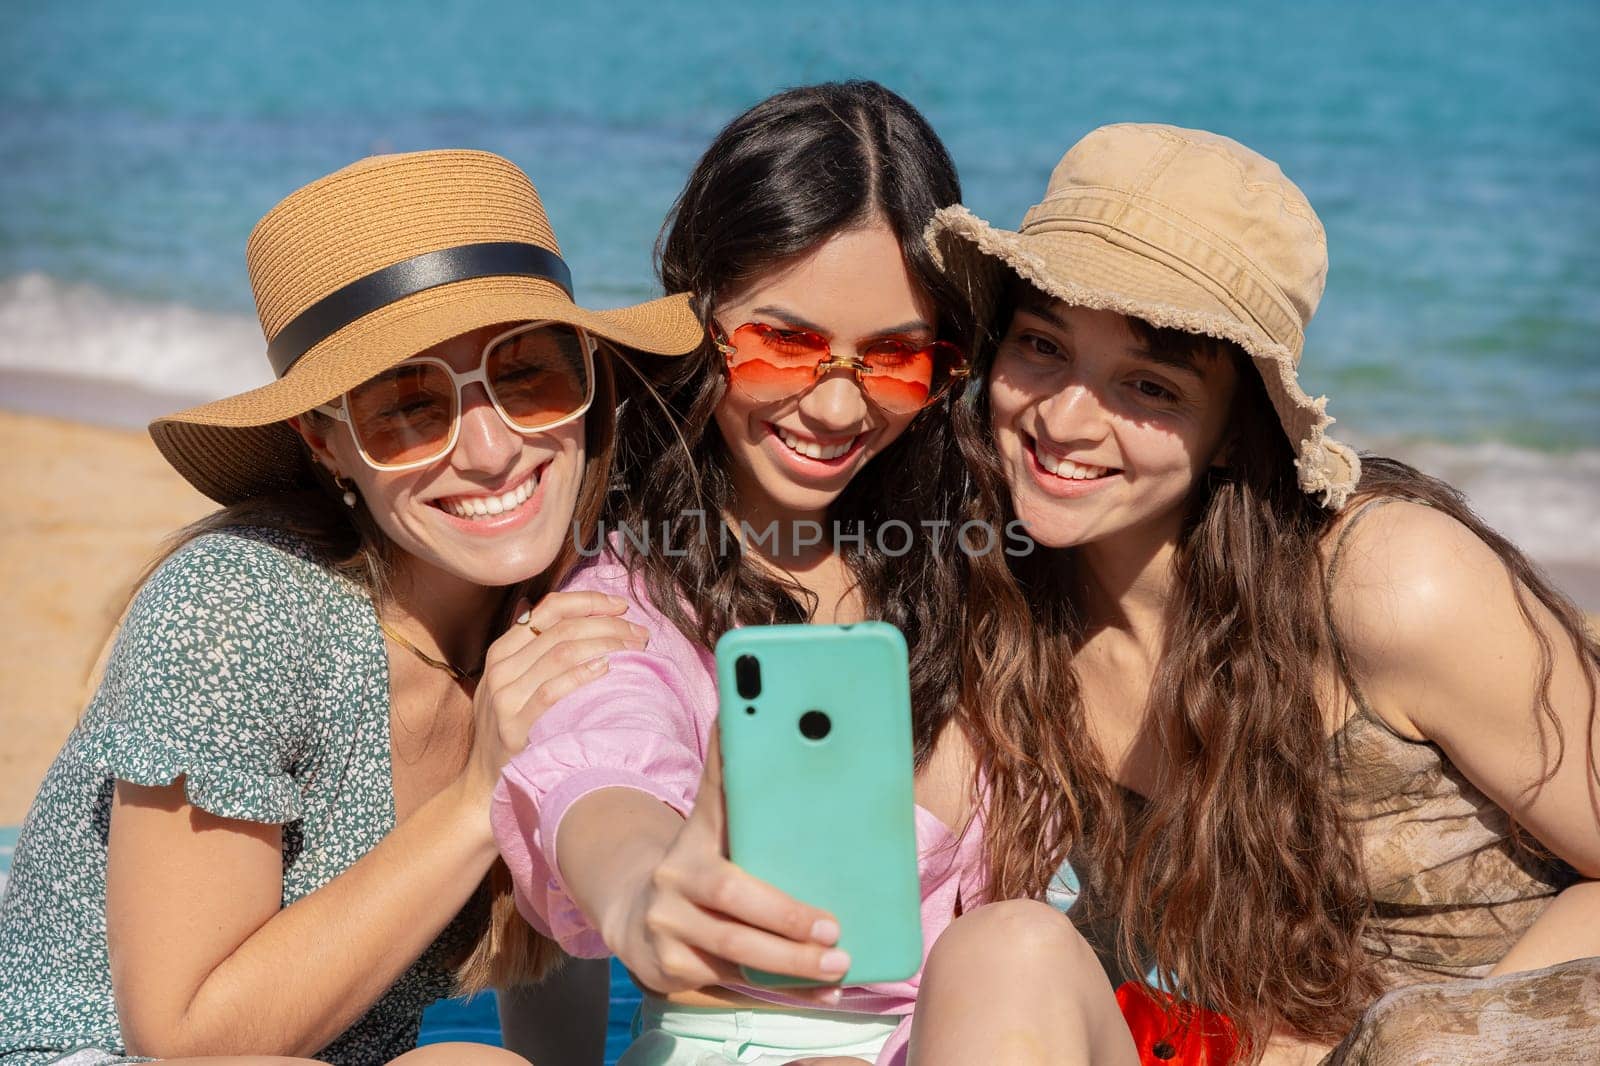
(350, 542)
(780, 179)
(1239, 876)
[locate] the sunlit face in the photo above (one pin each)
(431, 513)
(794, 456)
(1098, 437)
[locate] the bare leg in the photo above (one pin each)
(1014, 982)
(459, 1054)
(562, 1020)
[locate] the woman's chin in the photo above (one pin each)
(495, 561)
(503, 572)
(791, 502)
(1051, 526)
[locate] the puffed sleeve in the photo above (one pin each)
(207, 680)
(644, 724)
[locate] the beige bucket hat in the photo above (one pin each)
(370, 265)
(1183, 229)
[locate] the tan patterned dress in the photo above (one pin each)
(1452, 892)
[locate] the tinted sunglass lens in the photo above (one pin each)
(540, 377)
(903, 377)
(770, 364)
(403, 415)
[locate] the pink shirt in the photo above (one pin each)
(645, 724)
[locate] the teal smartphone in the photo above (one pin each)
(815, 723)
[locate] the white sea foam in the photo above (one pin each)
(1547, 503)
(80, 331)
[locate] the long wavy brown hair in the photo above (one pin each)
(1238, 877)
(779, 180)
(349, 541)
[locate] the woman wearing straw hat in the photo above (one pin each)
(1316, 734)
(269, 835)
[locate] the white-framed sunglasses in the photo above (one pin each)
(538, 376)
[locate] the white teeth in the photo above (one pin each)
(812, 448)
(472, 507)
(1066, 468)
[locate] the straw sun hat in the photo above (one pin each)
(1183, 229)
(369, 266)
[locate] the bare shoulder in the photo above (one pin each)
(1418, 599)
(1404, 567)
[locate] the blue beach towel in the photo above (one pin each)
(8, 844)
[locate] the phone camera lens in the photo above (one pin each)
(814, 725)
(749, 710)
(747, 676)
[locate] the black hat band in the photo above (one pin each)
(407, 278)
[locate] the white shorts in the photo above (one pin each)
(665, 1034)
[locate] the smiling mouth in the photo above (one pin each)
(484, 506)
(1067, 469)
(817, 450)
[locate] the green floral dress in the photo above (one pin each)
(250, 668)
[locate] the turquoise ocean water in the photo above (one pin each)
(1452, 149)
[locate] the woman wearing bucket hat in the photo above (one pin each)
(268, 834)
(822, 399)
(1314, 734)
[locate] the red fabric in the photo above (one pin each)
(1169, 1032)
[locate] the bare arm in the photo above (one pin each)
(1443, 653)
(205, 960)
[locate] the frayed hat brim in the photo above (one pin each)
(1087, 270)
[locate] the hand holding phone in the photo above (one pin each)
(694, 919)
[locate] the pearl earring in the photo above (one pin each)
(349, 490)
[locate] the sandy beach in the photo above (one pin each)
(87, 509)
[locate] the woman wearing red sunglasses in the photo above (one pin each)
(758, 478)
(267, 839)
